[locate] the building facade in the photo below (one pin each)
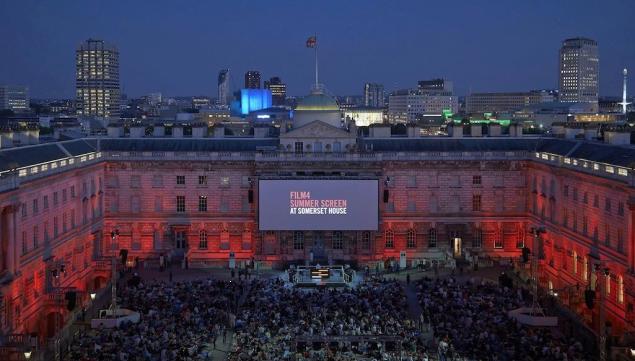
(278, 90)
(252, 79)
(579, 71)
(97, 79)
(68, 208)
(373, 95)
(15, 98)
(224, 92)
(505, 102)
(406, 106)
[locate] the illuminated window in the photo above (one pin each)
(202, 239)
(224, 181)
(608, 284)
(620, 289)
(411, 239)
(575, 262)
(390, 239)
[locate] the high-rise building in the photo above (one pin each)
(252, 79)
(408, 105)
(374, 95)
(579, 68)
(97, 79)
(223, 87)
(278, 90)
(14, 97)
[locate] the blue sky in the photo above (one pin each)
(178, 47)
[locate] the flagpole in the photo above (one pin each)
(316, 62)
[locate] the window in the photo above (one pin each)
(620, 241)
(575, 193)
(23, 209)
(202, 203)
(72, 218)
(596, 201)
(476, 180)
(566, 191)
(299, 147)
(412, 181)
(575, 262)
(477, 240)
(390, 239)
(432, 238)
(608, 284)
(157, 181)
(585, 198)
(180, 180)
(476, 202)
(202, 180)
(366, 240)
(36, 241)
(411, 239)
(135, 181)
(64, 222)
(45, 202)
(412, 205)
(224, 181)
(565, 217)
(180, 204)
(298, 240)
(338, 240)
(202, 239)
(158, 204)
(55, 198)
(585, 269)
(620, 208)
(498, 242)
(64, 195)
(55, 226)
(73, 195)
(25, 247)
(620, 289)
(585, 225)
(35, 206)
(607, 205)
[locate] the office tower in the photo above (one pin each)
(15, 98)
(373, 95)
(223, 87)
(278, 90)
(252, 79)
(579, 67)
(97, 79)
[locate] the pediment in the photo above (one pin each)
(316, 129)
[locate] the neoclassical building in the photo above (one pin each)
(69, 207)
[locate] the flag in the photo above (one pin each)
(311, 42)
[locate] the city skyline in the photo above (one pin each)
(475, 54)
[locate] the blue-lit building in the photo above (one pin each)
(254, 99)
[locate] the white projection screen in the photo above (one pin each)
(321, 205)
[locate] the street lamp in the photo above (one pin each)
(92, 296)
(27, 354)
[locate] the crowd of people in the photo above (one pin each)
(179, 321)
(369, 322)
(470, 319)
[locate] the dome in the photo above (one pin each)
(318, 101)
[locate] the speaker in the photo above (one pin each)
(71, 300)
(250, 195)
(124, 256)
(386, 195)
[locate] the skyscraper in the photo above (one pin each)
(374, 95)
(278, 90)
(252, 79)
(97, 79)
(579, 68)
(223, 87)
(15, 98)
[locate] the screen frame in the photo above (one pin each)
(378, 195)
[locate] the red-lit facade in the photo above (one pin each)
(199, 206)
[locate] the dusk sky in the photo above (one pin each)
(178, 47)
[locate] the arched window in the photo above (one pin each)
(432, 238)
(390, 239)
(411, 240)
(202, 239)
